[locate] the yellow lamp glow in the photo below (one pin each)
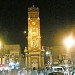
(69, 42)
(0, 44)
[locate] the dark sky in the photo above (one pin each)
(57, 18)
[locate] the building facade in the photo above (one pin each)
(60, 53)
(10, 51)
(35, 52)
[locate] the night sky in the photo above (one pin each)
(57, 20)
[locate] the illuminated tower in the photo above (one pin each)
(34, 53)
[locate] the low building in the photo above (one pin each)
(10, 51)
(13, 49)
(60, 54)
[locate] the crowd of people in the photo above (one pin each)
(30, 71)
(41, 71)
(34, 71)
(25, 71)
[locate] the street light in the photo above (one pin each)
(0, 52)
(50, 57)
(0, 45)
(68, 43)
(25, 32)
(47, 53)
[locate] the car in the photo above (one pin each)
(3, 67)
(68, 69)
(58, 69)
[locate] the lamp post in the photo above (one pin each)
(50, 57)
(68, 43)
(0, 52)
(0, 45)
(25, 32)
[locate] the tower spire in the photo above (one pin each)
(33, 4)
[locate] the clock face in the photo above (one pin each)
(33, 23)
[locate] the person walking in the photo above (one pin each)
(41, 73)
(34, 71)
(73, 71)
(48, 71)
(29, 71)
(19, 72)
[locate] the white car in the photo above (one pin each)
(58, 69)
(68, 70)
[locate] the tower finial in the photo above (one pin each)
(33, 4)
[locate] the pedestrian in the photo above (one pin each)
(48, 71)
(34, 71)
(43, 70)
(19, 72)
(73, 71)
(9, 72)
(29, 71)
(3, 72)
(41, 73)
(24, 71)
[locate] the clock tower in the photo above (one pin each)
(34, 54)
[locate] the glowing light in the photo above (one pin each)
(0, 44)
(38, 18)
(25, 32)
(69, 42)
(29, 18)
(47, 52)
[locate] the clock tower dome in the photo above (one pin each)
(34, 53)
